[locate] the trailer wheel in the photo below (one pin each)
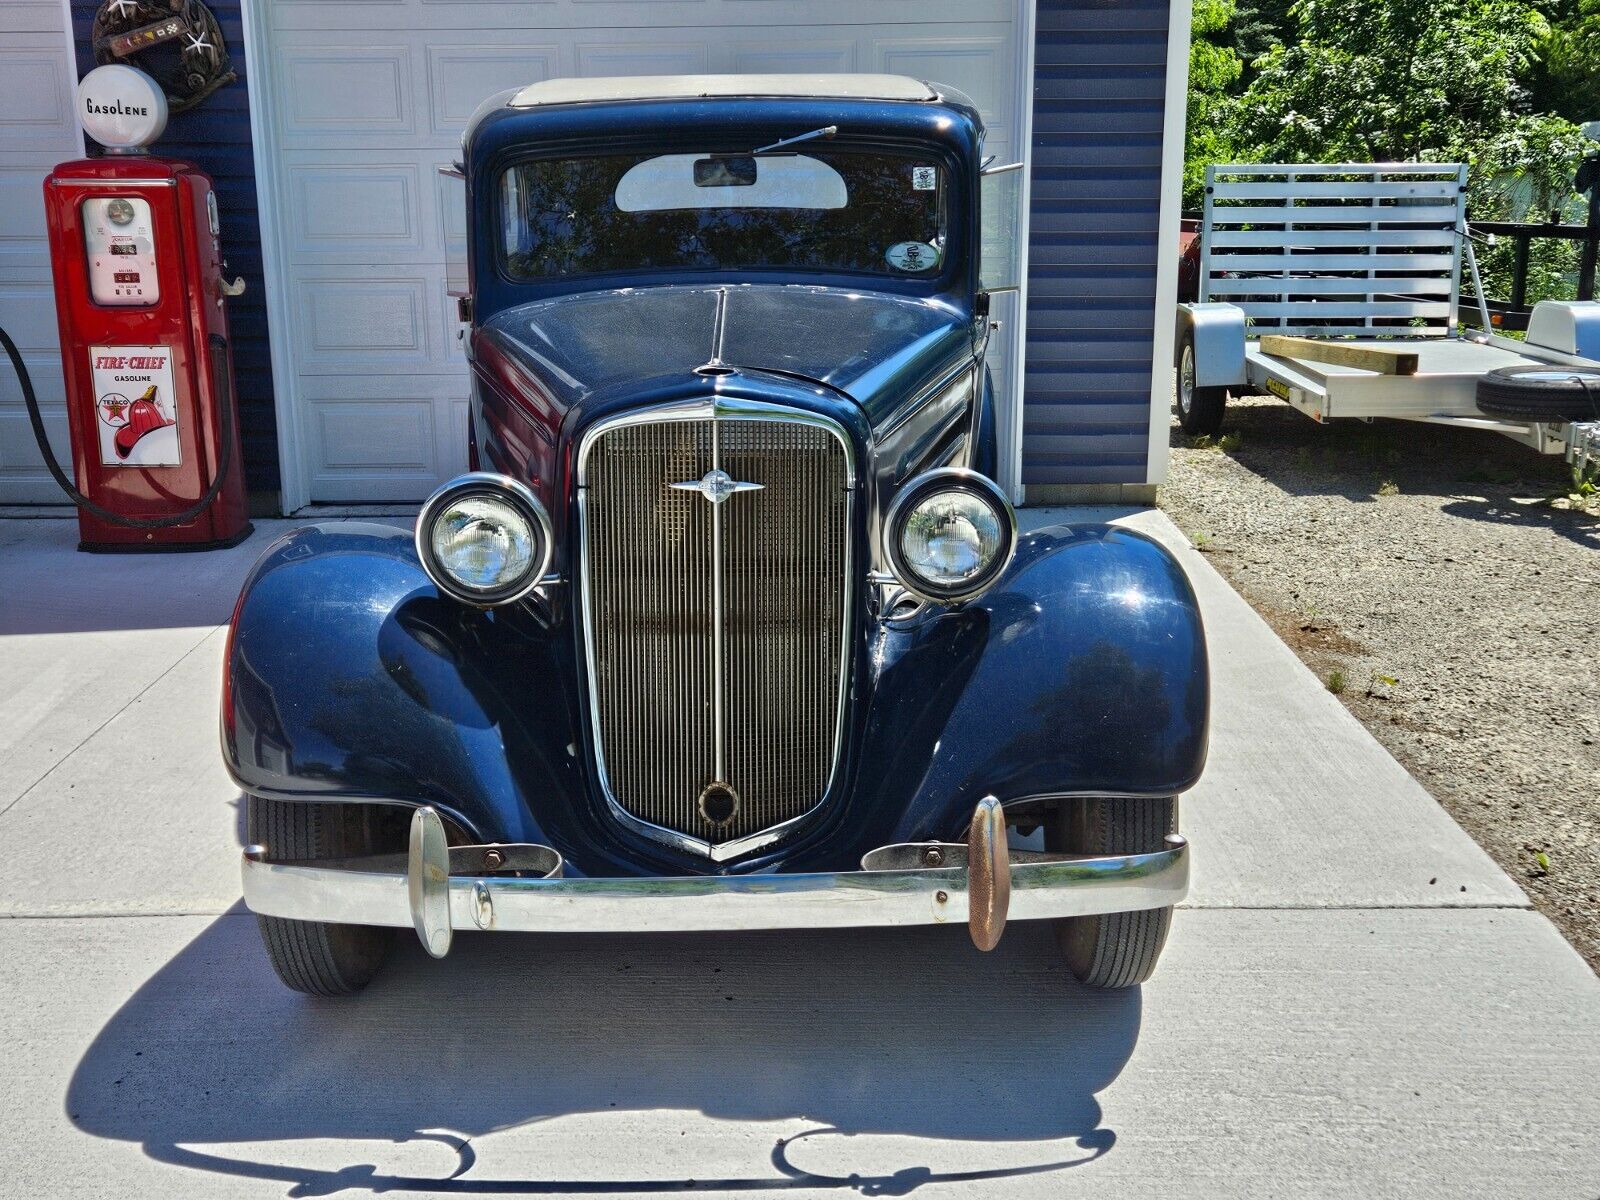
(1115, 950)
(1541, 393)
(318, 957)
(1200, 409)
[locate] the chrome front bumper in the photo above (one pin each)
(437, 889)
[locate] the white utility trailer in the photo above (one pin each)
(1334, 287)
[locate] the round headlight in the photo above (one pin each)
(950, 534)
(484, 539)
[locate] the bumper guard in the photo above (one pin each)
(437, 889)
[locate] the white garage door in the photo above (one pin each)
(38, 129)
(367, 97)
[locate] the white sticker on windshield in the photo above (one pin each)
(912, 256)
(924, 179)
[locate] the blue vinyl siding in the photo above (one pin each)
(1099, 95)
(215, 136)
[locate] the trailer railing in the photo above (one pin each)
(1331, 249)
(1511, 313)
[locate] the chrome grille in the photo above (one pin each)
(676, 586)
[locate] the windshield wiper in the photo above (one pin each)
(827, 131)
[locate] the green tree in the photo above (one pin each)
(1415, 80)
(1214, 67)
(1566, 80)
(1390, 80)
(1258, 26)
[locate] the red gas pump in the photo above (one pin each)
(144, 333)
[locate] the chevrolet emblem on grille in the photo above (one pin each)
(716, 486)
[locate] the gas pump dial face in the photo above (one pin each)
(119, 242)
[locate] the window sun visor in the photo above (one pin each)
(679, 181)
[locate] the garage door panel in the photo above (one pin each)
(44, 368)
(370, 98)
(758, 54)
(643, 58)
(353, 213)
(341, 93)
(979, 63)
(362, 323)
(23, 478)
(31, 16)
(30, 316)
(24, 249)
(455, 15)
(36, 100)
(392, 434)
(38, 129)
(384, 439)
(461, 77)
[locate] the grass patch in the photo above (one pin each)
(1336, 681)
(1227, 443)
(1584, 494)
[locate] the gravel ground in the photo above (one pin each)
(1422, 574)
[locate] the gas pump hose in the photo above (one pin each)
(82, 501)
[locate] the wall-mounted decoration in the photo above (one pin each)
(178, 42)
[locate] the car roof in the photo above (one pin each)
(687, 87)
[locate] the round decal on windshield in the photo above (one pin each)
(912, 256)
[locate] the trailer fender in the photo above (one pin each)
(1218, 331)
(1567, 327)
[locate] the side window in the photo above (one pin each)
(1001, 252)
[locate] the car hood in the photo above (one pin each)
(873, 347)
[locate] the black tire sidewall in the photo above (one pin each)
(1518, 392)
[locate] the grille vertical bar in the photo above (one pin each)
(651, 558)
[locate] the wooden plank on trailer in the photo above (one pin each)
(1364, 358)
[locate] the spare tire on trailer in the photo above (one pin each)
(1541, 393)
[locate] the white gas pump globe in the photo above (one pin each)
(121, 107)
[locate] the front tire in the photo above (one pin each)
(1114, 950)
(317, 957)
(1200, 409)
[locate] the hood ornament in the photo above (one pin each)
(716, 485)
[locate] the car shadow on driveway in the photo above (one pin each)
(214, 1066)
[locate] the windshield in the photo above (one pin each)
(853, 211)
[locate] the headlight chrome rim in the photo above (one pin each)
(507, 491)
(919, 489)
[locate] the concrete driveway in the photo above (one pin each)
(1355, 1002)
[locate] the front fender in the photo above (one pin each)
(1083, 672)
(348, 677)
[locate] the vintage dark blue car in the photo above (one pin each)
(729, 627)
